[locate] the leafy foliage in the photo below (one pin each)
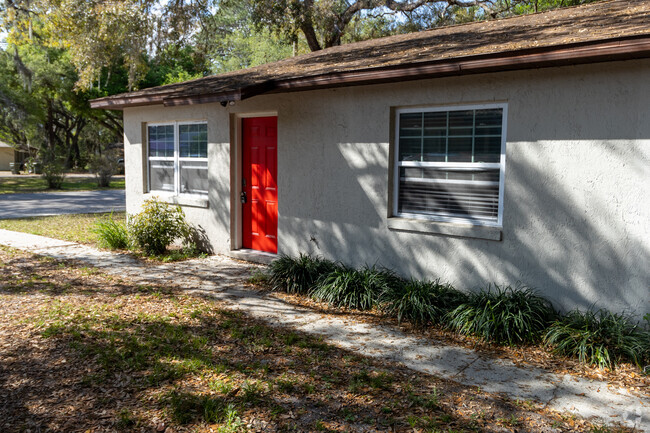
(421, 302)
(157, 226)
(187, 407)
(352, 288)
(327, 23)
(53, 175)
(104, 167)
(232, 41)
(299, 275)
(601, 338)
(112, 234)
(503, 315)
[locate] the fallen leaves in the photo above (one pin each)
(83, 352)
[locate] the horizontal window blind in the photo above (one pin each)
(450, 163)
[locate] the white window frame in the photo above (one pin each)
(469, 166)
(176, 158)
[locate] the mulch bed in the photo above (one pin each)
(84, 351)
(625, 375)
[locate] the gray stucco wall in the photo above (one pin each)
(576, 219)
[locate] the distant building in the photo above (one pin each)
(6, 156)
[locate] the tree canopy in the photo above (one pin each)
(58, 54)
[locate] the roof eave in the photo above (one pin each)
(626, 48)
(611, 50)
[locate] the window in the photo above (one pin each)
(178, 158)
(450, 163)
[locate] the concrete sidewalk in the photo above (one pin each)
(221, 277)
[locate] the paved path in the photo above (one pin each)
(221, 278)
(57, 203)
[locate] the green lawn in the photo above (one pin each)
(17, 184)
(73, 228)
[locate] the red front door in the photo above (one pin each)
(259, 183)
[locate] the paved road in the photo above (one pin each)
(57, 203)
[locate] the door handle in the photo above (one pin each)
(243, 197)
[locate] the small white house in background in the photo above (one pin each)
(508, 151)
(6, 156)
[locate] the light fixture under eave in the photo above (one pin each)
(232, 103)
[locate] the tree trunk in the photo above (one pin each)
(310, 35)
(50, 134)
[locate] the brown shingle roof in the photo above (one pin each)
(609, 30)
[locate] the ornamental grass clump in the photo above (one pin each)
(112, 234)
(503, 315)
(599, 338)
(421, 302)
(157, 226)
(351, 288)
(299, 274)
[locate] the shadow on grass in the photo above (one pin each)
(211, 366)
(107, 356)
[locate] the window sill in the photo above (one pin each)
(445, 229)
(181, 200)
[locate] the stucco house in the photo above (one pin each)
(513, 150)
(6, 156)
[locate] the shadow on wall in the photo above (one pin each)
(573, 242)
(219, 204)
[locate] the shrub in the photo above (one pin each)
(601, 338)
(157, 226)
(421, 302)
(53, 175)
(112, 234)
(503, 315)
(298, 275)
(104, 167)
(352, 288)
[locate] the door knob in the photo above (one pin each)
(242, 197)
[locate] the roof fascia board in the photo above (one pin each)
(120, 103)
(238, 95)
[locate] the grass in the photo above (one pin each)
(360, 289)
(503, 315)
(421, 302)
(73, 228)
(300, 274)
(140, 357)
(112, 233)
(18, 184)
(82, 228)
(600, 338)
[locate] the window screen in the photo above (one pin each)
(178, 158)
(450, 163)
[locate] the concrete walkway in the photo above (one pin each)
(57, 203)
(221, 277)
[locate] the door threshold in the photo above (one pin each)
(253, 256)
